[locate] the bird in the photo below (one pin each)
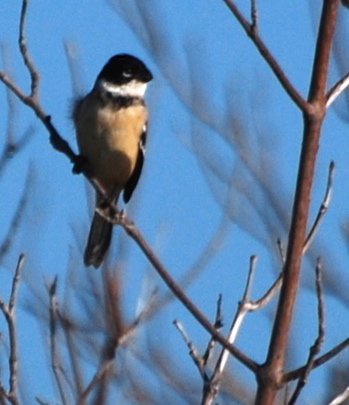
(111, 129)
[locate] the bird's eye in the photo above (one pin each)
(127, 73)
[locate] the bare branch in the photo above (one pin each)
(218, 325)
(32, 100)
(271, 374)
(194, 353)
(315, 349)
(100, 375)
(135, 234)
(268, 296)
(251, 272)
(60, 144)
(268, 57)
(254, 17)
(12, 332)
(34, 74)
(295, 374)
(337, 90)
(8, 82)
(55, 357)
(323, 208)
(281, 249)
(131, 329)
(211, 388)
(210, 384)
(9, 313)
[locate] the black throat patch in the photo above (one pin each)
(117, 101)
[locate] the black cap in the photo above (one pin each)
(123, 68)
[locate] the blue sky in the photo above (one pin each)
(213, 103)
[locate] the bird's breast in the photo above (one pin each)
(109, 138)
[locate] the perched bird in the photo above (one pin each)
(111, 125)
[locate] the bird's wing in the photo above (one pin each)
(133, 180)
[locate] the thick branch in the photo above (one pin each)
(315, 349)
(270, 378)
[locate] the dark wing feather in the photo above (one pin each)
(133, 180)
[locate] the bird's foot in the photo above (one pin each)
(81, 165)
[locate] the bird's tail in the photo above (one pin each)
(98, 241)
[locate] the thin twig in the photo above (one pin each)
(281, 249)
(13, 393)
(268, 57)
(218, 324)
(254, 17)
(211, 388)
(210, 384)
(34, 74)
(315, 349)
(337, 90)
(193, 352)
(55, 359)
(131, 329)
(9, 313)
(268, 296)
(331, 354)
(243, 309)
(251, 272)
(13, 335)
(98, 377)
(323, 208)
(32, 100)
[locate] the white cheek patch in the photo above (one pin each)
(131, 89)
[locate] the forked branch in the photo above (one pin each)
(252, 32)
